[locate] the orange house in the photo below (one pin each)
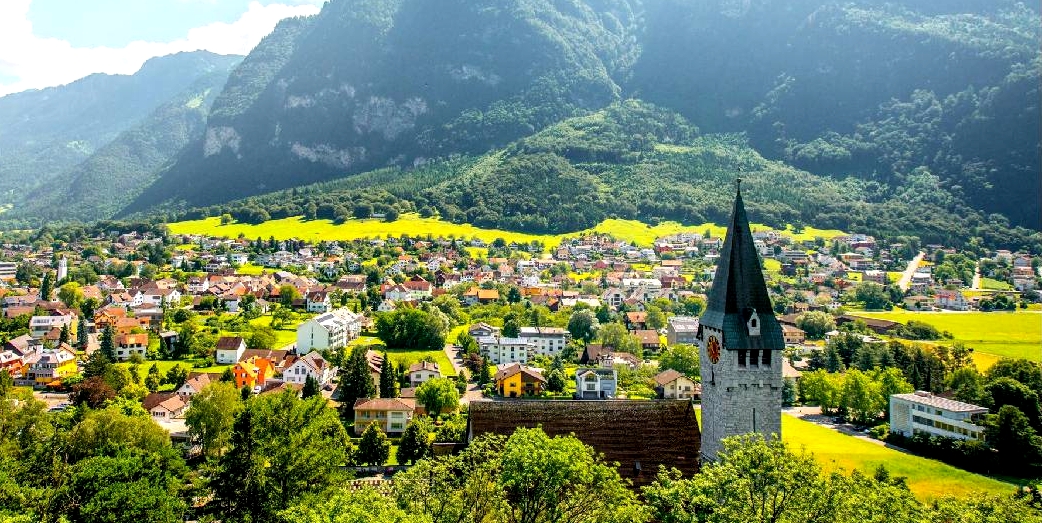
(253, 372)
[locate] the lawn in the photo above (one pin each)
(991, 334)
(995, 285)
(412, 224)
(250, 269)
(166, 365)
(927, 478)
(408, 357)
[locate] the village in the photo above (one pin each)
(593, 318)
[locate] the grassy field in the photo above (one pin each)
(995, 285)
(927, 478)
(409, 357)
(412, 224)
(166, 365)
(991, 334)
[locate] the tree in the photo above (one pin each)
(97, 365)
(153, 379)
(108, 343)
(548, 479)
(582, 325)
(411, 328)
(415, 443)
(176, 376)
(373, 449)
(555, 380)
(484, 374)
(46, 287)
(872, 295)
(683, 359)
(287, 295)
(6, 383)
(92, 392)
(262, 337)
(212, 415)
(615, 336)
(311, 388)
(1007, 391)
(466, 343)
(356, 381)
(63, 335)
(126, 487)
(655, 318)
(1025, 371)
(388, 379)
(967, 384)
(859, 397)
(238, 484)
(81, 334)
(1012, 435)
(815, 324)
(437, 395)
(511, 326)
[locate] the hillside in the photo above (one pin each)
(44, 133)
(630, 161)
(893, 93)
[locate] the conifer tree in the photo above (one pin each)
(46, 286)
(238, 484)
(108, 343)
(373, 449)
(153, 379)
(81, 334)
(97, 365)
(388, 379)
(63, 336)
(310, 389)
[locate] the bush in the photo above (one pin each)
(880, 432)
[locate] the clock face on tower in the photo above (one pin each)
(713, 349)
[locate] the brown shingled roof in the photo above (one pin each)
(639, 435)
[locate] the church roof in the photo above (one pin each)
(739, 290)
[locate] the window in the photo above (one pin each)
(766, 358)
(754, 357)
(741, 358)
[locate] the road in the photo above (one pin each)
(906, 278)
(976, 278)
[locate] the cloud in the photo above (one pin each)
(44, 62)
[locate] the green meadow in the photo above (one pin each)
(992, 335)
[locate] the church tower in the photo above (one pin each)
(741, 344)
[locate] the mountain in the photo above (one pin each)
(120, 170)
(46, 132)
(888, 92)
(631, 160)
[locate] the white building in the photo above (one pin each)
(331, 330)
(312, 364)
(39, 326)
(548, 341)
(499, 350)
(230, 349)
(934, 415)
(420, 372)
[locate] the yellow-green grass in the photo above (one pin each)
(772, 265)
(998, 334)
(990, 284)
(165, 366)
(412, 224)
(894, 276)
(927, 478)
(854, 276)
(408, 357)
(810, 233)
(250, 269)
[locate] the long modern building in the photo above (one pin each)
(331, 330)
(548, 341)
(499, 350)
(923, 412)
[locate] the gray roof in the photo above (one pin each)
(739, 289)
(925, 398)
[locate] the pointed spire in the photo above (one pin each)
(739, 290)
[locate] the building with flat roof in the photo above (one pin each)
(923, 412)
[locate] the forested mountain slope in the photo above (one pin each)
(889, 92)
(636, 161)
(43, 133)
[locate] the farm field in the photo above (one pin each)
(412, 224)
(927, 478)
(992, 335)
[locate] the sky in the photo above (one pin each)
(45, 43)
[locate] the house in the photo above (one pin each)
(164, 406)
(423, 371)
(478, 295)
(515, 380)
(640, 436)
(877, 325)
(318, 302)
(50, 366)
(39, 326)
(649, 340)
(481, 329)
(672, 385)
(596, 383)
(129, 344)
(636, 320)
(332, 330)
(12, 363)
(390, 415)
(253, 372)
(230, 349)
(311, 364)
(599, 355)
(793, 335)
(548, 341)
(923, 412)
(500, 350)
(951, 300)
(194, 384)
(681, 329)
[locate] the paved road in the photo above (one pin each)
(976, 278)
(906, 278)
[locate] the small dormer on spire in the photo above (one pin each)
(753, 323)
